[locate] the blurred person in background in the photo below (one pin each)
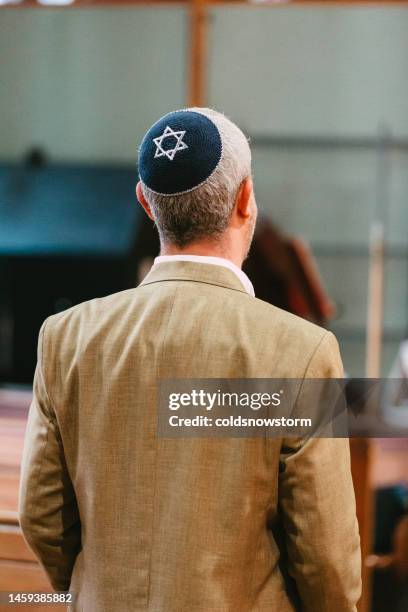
(391, 592)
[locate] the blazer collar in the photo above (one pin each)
(196, 272)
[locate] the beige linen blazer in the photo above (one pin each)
(130, 521)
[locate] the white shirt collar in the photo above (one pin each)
(214, 261)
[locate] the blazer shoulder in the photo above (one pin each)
(267, 316)
(88, 311)
(314, 348)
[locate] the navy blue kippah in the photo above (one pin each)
(179, 152)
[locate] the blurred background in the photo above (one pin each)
(321, 90)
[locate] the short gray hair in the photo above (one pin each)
(205, 210)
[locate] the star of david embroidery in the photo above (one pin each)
(170, 153)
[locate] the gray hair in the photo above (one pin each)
(205, 210)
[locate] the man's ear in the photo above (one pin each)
(142, 200)
(243, 201)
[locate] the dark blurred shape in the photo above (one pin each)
(283, 272)
(391, 504)
(390, 561)
(147, 239)
(279, 535)
(360, 393)
(68, 233)
(36, 157)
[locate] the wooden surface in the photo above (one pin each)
(19, 570)
(13, 416)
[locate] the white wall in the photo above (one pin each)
(86, 84)
(311, 70)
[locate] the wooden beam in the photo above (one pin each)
(375, 302)
(251, 3)
(198, 52)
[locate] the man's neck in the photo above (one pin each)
(204, 249)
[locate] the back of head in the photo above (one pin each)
(191, 165)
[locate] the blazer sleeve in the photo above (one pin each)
(317, 509)
(48, 511)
